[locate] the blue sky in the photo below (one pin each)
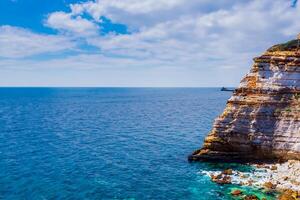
(169, 43)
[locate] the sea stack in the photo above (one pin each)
(261, 120)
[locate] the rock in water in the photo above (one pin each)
(236, 192)
(269, 185)
(262, 118)
(251, 197)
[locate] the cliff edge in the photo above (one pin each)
(261, 120)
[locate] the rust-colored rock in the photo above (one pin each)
(221, 179)
(274, 167)
(236, 193)
(269, 185)
(227, 172)
(288, 195)
(262, 118)
(251, 197)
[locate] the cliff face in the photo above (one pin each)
(262, 118)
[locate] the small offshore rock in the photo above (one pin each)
(219, 176)
(212, 176)
(221, 180)
(274, 167)
(250, 182)
(236, 192)
(244, 176)
(227, 172)
(269, 185)
(251, 197)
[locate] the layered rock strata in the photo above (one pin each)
(262, 118)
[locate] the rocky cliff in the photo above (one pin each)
(262, 118)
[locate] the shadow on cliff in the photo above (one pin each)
(248, 132)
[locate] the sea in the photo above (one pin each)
(108, 143)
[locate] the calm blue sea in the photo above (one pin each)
(106, 143)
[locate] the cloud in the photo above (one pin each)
(19, 42)
(203, 35)
(216, 38)
(231, 26)
(136, 13)
(68, 23)
(97, 70)
(107, 7)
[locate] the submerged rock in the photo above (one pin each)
(236, 192)
(251, 197)
(262, 118)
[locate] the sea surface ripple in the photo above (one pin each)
(106, 143)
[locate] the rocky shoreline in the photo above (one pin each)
(282, 179)
(261, 120)
(261, 123)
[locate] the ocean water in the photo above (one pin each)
(107, 143)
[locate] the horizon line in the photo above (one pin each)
(116, 86)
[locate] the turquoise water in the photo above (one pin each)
(106, 143)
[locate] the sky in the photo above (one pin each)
(134, 43)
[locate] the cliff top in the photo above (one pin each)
(288, 46)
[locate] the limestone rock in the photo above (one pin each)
(221, 179)
(269, 185)
(288, 195)
(262, 118)
(227, 172)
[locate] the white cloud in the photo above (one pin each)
(214, 39)
(75, 24)
(106, 7)
(197, 34)
(230, 26)
(136, 13)
(18, 42)
(97, 70)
